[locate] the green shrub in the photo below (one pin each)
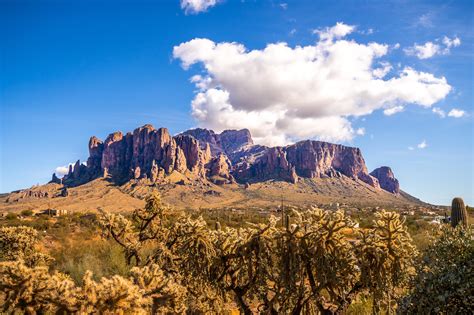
(444, 283)
(27, 213)
(11, 216)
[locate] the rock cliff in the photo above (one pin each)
(224, 158)
(386, 179)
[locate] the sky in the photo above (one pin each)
(394, 78)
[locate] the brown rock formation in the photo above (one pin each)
(219, 170)
(386, 179)
(55, 179)
(201, 153)
(96, 147)
(114, 157)
(196, 157)
(316, 159)
(272, 165)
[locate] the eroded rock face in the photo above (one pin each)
(208, 137)
(220, 170)
(114, 156)
(55, 179)
(319, 159)
(203, 154)
(234, 143)
(96, 148)
(386, 179)
(196, 156)
(271, 165)
(235, 140)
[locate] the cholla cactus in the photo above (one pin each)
(385, 255)
(31, 290)
(167, 294)
(458, 213)
(17, 242)
(116, 295)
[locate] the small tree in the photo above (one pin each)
(444, 283)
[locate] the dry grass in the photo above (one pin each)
(195, 194)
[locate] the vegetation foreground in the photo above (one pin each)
(307, 262)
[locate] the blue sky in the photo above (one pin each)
(72, 69)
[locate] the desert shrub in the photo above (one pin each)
(103, 258)
(27, 213)
(18, 243)
(444, 283)
(11, 216)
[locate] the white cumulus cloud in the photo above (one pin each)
(430, 49)
(425, 51)
(283, 94)
(60, 171)
(438, 111)
(455, 42)
(197, 6)
(360, 131)
(422, 145)
(393, 110)
(456, 113)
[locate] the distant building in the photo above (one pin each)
(53, 212)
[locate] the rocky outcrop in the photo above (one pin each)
(322, 159)
(272, 165)
(204, 137)
(386, 179)
(234, 143)
(96, 147)
(230, 156)
(55, 179)
(196, 157)
(220, 170)
(144, 153)
(114, 156)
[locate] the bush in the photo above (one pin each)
(27, 213)
(445, 279)
(11, 216)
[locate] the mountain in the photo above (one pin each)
(226, 167)
(221, 158)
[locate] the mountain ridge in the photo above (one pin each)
(223, 158)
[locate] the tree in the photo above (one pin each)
(444, 283)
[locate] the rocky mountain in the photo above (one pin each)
(220, 158)
(386, 179)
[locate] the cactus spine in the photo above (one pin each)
(458, 212)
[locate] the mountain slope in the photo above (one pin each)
(200, 168)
